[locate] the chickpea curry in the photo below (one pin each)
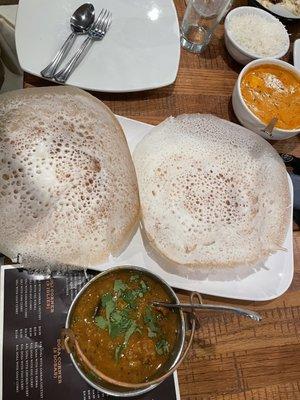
(119, 330)
(272, 91)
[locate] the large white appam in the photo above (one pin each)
(68, 189)
(213, 194)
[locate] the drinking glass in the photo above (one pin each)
(200, 20)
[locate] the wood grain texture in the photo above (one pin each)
(232, 358)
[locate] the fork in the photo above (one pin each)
(97, 32)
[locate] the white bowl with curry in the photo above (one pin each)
(267, 89)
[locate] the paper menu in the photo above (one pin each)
(34, 366)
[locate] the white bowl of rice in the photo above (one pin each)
(252, 33)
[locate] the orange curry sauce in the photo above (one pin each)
(272, 91)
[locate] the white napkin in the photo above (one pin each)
(11, 74)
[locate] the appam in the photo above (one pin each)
(68, 189)
(213, 194)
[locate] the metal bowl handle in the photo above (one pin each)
(72, 346)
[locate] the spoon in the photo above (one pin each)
(189, 307)
(80, 23)
(271, 125)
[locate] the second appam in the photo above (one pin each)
(213, 194)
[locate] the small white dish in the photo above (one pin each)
(141, 50)
(268, 282)
(246, 116)
(296, 54)
(239, 52)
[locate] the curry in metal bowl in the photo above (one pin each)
(121, 333)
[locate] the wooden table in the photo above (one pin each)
(232, 358)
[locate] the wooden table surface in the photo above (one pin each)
(232, 358)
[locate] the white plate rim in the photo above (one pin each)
(171, 278)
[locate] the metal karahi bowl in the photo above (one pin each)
(112, 388)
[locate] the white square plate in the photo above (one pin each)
(140, 51)
(267, 282)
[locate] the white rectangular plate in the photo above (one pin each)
(266, 283)
(141, 50)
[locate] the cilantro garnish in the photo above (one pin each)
(130, 331)
(134, 278)
(107, 297)
(121, 313)
(151, 334)
(144, 287)
(109, 304)
(150, 321)
(162, 347)
(101, 322)
(130, 296)
(133, 327)
(118, 351)
(118, 322)
(119, 286)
